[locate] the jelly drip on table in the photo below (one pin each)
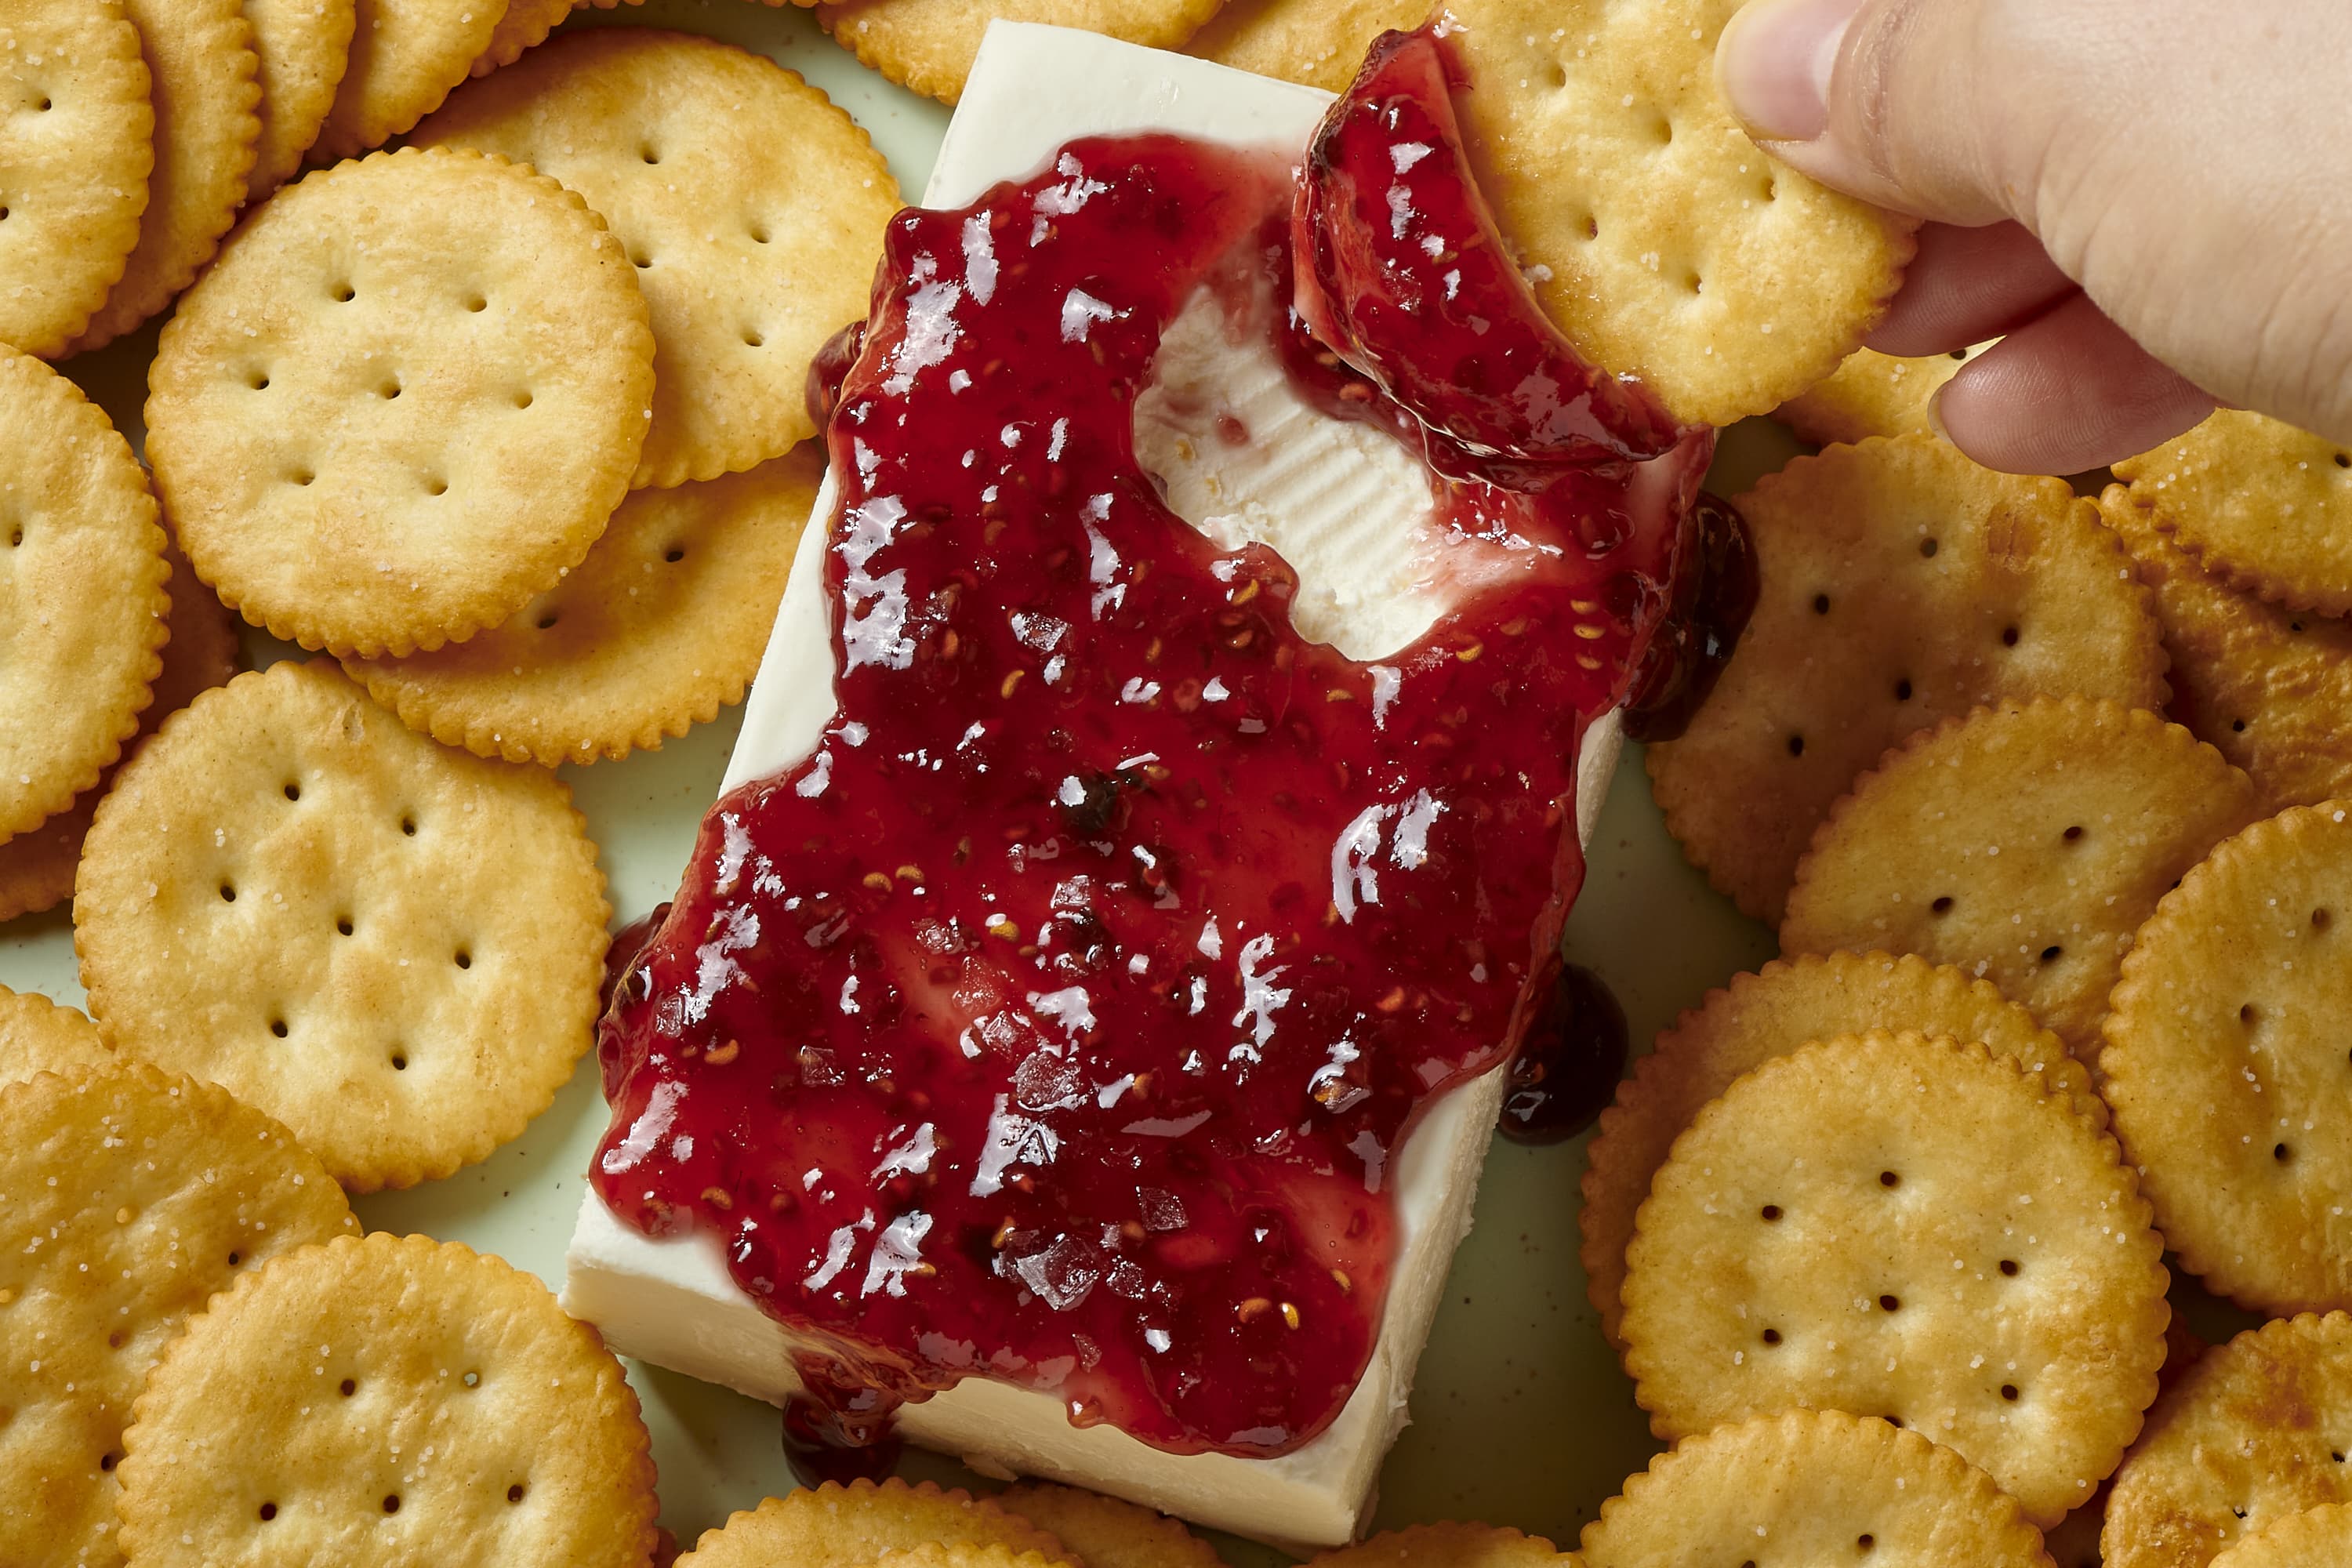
(1061, 1017)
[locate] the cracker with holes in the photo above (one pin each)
(1894, 1225)
(303, 47)
(2258, 1430)
(81, 593)
(428, 1402)
(392, 947)
(1445, 1546)
(1105, 1531)
(1898, 584)
(1791, 1003)
(1661, 239)
(1321, 43)
(834, 1526)
(525, 26)
(38, 1036)
(927, 45)
(77, 141)
(405, 57)
(2268, 687)
(202, 69)
(753, 209)
(36, 866)
(406, 399)
(2262, 505)
(2025, 844)
(1872, 394)
(1810, 1486)
(2315, 1538)
(127, 1197)
(2224, 1057)
(662, 623)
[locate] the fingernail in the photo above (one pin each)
(1774, 62)
(1935, 412)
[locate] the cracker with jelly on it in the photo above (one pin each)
(1317, 42)
(927, 45)
(406, 56)
(2262, 505)
(37, 1034)
(836, 1526)
(1898, 584)
(303, 47)
(1872, 394)
(1921, 1229)
(2023, 845)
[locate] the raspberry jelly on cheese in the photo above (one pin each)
(1060, 1018)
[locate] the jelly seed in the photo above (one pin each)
(1392, 1001)
(910, 873)
(1011, 681)
(1248, 592)
(1001, 1232)
(1472, 652)
(877, 880)
(719, 1056)
(1339, 1278)
(1004, 928)
(1254, 1308)
(718, 1198)
(950, 643)
(1290, 1314)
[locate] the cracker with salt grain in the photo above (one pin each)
(77, 141)
(127, 1197)
(203, 82)
(1106, 1531)
(2025, 844)
(303, 46)
(392, 947)
(404, 400)
(1898, 584)
(2315, 1538)
(1318, 43)
(36, 866)
(753, 209)
(834, 1526)
(1872, 394)
(387, 1399)
(662, 623)
(1810, 1486)
(1893, 1225)
(2268, 687)
(1664, 242)
(2224, 1059)
(2263, 506)
(2259, 1429)
(37, 1034)
(927, 45)
(406, 56)
(1790, 1003)
(524, 27)
(81, 593)
(1445, 1546)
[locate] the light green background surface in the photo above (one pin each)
(1520, 1414)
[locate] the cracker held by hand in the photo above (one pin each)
(1664, 242)
(2248, 1437)
(1108, 1532)
(81, 593)
(927, 45)
(834, 1526)
(753, 209)
(392, 947)
(1318, 43)
(2023, 845)
(1445, 1546)
(1892, 1226)
(2315, 1538)
(1899, 585)
(406, 56)
(404, 400)
(1791, 1004)
(1810, 1486)
(387, 1399)
(303, 46)
(77, 141)
(38, 1036)
(132, 1196)
(1872, 394)
(2263, 506)
(2224, 1059)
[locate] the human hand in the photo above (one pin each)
(2148, 201)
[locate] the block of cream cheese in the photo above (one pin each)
(1351, 512)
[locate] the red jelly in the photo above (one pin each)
(1060, 1018)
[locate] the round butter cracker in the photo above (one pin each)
(1318, 43)
(834, 1526)
(927, 45)
(406, 56)
(37, 1034)
(2315, 1538)
(525, 26)
(1447, 1545)
(1872, 394)
(303, 46)
(2263, 506)
(1106, 1531)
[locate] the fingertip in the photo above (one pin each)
(1774, 62)
(2069, 394)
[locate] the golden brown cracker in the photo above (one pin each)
(1899, 584)
(753, 209)
(406, 399)
(201, 80)
(1892, 1226)
(127, 1197)
(662, 623)
(76, 143)
(81, 593)
(38, 1036)
(1664, 242)
(961, 1555)
(1318, 43)
(1872, 394)
(525, 26)
(834, 1526)
(405, 57)
(389, 1400)
(2025, 844)
(926, 46)
(2263, 506)
(1791, 1003)
(303, 47)
(392, 947)
(1810, 1486)
(2268, 687)
(2254, 1432)
(1105, 1531)
(2315, 1538)
(2224, 1059)
(1445, 1546)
